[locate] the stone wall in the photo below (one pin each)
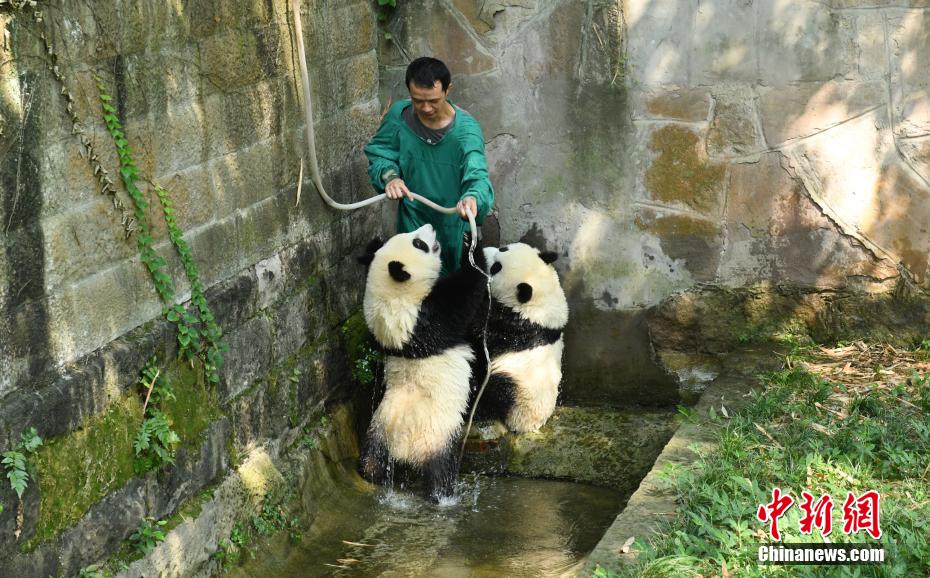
(207, 94)
(662, 146)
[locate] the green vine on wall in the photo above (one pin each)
(209, 337)
(198, 333)
(385, 10)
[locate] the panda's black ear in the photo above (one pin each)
(524, 292)
(370, 251)
(396, 269)
(549, 257)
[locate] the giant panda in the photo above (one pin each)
(426, 326)
(528, 315)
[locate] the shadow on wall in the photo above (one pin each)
(667, 149)
(823, 191)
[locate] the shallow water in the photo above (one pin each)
(495, 527)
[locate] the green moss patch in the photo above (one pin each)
(680, 225)
(77, 470)
(194, 405)
(682, 172)
(598, 446)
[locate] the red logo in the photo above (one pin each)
(862, 514)
(817, 515)
(774, 510)
(859, 514)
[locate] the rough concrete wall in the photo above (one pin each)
(207, 93)
(665, 145)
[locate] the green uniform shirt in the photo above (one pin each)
(444, 172)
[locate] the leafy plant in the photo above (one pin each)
(230, 551)
(155, 441)
(15, 461)
(270, 519)
(149, 534)
(207, 340)
(385, 9)
(92, 571)
(238, 535)
(312, 433)
(273, 518)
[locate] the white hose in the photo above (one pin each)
(317, 182)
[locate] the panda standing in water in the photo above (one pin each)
(427, 326)
(528, 314)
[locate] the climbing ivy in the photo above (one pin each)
(198, 332)
(77, 128)
(385, 9)
(209, 337)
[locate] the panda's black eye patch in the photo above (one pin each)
(503, 249)
(397, 272)
(496, 268)
(419, 244)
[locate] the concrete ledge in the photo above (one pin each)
(652, 503)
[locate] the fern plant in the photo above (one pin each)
(15, 460)
(155, 441)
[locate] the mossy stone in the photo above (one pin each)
(682, 172)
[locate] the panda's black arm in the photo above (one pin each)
(447, 316)
(463, 285)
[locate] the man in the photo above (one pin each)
(427, 145)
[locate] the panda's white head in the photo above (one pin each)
(401, 274)
(523, 279)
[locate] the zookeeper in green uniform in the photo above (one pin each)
(429, 146)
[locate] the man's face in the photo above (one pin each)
(428, 102)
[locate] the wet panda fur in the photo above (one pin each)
(426, 326)
(528, 314)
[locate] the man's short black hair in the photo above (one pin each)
(425, 71)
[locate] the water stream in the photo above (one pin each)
(497, 526)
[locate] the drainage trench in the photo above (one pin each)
(526, 505)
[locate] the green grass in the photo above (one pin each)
(819, 436)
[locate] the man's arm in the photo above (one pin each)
(383, 154)
(476, 182)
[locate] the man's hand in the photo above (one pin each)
(396, 189)
(470, 203)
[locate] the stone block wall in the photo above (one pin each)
(207, 92)
(666, 146)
